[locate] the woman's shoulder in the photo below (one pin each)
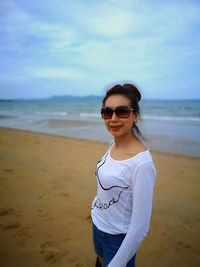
(143, 158)
(139, 152)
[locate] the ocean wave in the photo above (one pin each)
(96, 115)
(90, 115)
(50, 113)
(171, 118)
(64, 114)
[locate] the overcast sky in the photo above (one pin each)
(79, 47)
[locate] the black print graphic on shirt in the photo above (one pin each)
(98, 204)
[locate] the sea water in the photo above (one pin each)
(167, 125)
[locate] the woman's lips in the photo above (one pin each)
(115, 128)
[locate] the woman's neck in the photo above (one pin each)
(125, 141)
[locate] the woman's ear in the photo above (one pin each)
(135, 117)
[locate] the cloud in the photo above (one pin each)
(56, 73)
(95, 42)
(107, 22)
(19, 29)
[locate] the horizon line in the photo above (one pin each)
(88, 96)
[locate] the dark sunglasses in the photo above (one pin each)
(121, 112)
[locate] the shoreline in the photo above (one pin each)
(47, 187)
(92, 140)
(168, 126)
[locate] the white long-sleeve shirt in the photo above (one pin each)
(123, 202)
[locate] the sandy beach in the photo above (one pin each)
(47, 186)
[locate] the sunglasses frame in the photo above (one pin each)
(116, 112)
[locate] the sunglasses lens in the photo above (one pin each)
(106, 113)
(122, 112)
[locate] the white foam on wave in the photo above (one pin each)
(90, 115)
(171, 118)
(57, 113)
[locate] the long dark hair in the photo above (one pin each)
(131, 92)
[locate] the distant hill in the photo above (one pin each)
(6, 100)
(59, 98)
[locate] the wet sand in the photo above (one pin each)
(47, 185)
(58, 123)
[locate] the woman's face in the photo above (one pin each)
(119, 127)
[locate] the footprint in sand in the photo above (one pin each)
(89, 218)
(11, 225)
(41, 196)
(50, 253)
(8, 170)
(43, 214)
(6, 212)
(24, 236)
(65, 194)
(184, 245)
(1, 255)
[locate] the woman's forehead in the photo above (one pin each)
(117, 100)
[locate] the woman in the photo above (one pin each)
(121, 210)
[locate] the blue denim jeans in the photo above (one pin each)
(107, 245)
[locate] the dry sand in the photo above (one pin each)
(47, 184)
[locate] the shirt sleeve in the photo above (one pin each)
(142, 196)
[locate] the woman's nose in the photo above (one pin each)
(114, 117)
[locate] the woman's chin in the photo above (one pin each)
(116, 133)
